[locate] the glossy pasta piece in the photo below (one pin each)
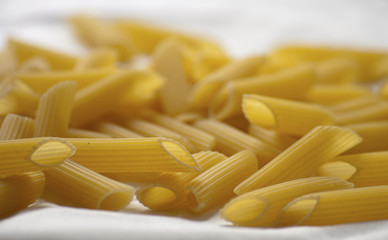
(289, 83)
(24, 51)
(338, 70)
(115, 130)
(373, 135)
(40, 82)
(230, 140)
(375, 112)
(98, 58)
(301, 159)
(133, 155)
(54, 110)
(214, 187)
(363, 169)
(261, 207)
(83, 133)
(19, 191)
(87, 188)
(204, 91)
(336, 207)
(167, 192)
(33, 154)
(285, 116)
(15, 126)
(272, 137)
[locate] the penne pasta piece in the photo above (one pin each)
(383, 90)
(115, 130)
(19, 191)
(261, 207)
(15, 126)
(35, 64)
(148, 129)
(375, 112)
(363, 169)
(137, 177)
(201, 140)
(8, 62)
(189, 117)
(373, 136)
(354, 104)
(42, 81)
(98, 58)
(301, 159)
(133, 155)
(54, 110)
(336, 207)
(33, 154)
(83, 133)
(289, 83)
(87, 188)
(214, 187)
(380, 69)
(204, 91)
(166, 192)
(338, 70)
(272, 137)
(230, 140)
(24, 52)
(285, 116)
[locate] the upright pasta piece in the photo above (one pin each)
(19, 191)
(133, 155)
(301, 159)
(363, 169)
(289, 83)
(261, 207)
(285, 116)
(373, 136)
(15, 127)
(33, 154)
(214, 187)
(115, 130)
(336, 207)
(54, 110)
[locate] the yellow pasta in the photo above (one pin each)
(54, 110)
(89, 189)
(230, 140)
(261, 207)
(354, 104)
(383, 90)
(24, 51)
(289, 83)
(338, 70)
(134, 177)
(375, 112)
(301, 159)
(8, 62)
(334, 94)
(19, 191)
(167, 191)
(132, 155)
(285, 116)
(380, 70)
(33, 154)
(42, 81)
(115, 130)
(83, 133)
(98, 58)
(272, 137)
(214, 186)
(336, 207)
(363, 169)
(15, 127)
(35, 64)
(203, 92)
(189, 117)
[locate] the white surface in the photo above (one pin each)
(242, 27)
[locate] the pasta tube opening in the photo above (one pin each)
(297, 211)
(116, 200)
(179, 153)
(255, 209)
(51, 152)
(337, 169)
(259, 112)
(157, 197)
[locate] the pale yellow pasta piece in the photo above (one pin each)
(338, 70)
(137, 177)
(33, 154)
(167, 61)
(272, 137)
(301, 159)
(204, 91)
(15, 126)
(54, 110)
(35, 64)
(214, 186)
(230, 140)
(380, 70)
(283, 115)
(363, 169)
(336, 207)
(98, 58)
(149, 129)
(8, 62)
(41, 81)
(354, 104)
(289, 83)
(383, 89)
(19, 191)
(89, 189)
(167, 191)
(334, 94)
(189, 117)
(83, 133)
(115, 130)
(261, 207)
(133, 155)
(24, 51)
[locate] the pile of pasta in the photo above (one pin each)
(294, 137)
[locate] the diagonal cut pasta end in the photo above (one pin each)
(337, 169)
(180, 154)
(51, 152)
(156, 197)
(117, 199)
(258, 112)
